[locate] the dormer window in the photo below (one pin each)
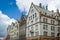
(45, 20)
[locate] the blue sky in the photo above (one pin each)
(10, 8)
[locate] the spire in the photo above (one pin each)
(32, 2)
(40, 5)
(57, 10)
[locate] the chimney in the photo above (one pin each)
(46, 7)
(40, 5)
(57, 10)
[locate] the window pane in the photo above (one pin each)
(52, 28)
(33, 15)
(45, 33)
(45, 20)
(53, 34)
(45, 27)
(58, 29)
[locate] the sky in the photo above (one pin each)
(10, 10)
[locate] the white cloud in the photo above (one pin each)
(5, 19)
(4, 22)
(52, 4)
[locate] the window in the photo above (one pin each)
(58, 22)
(35, 15)
(32, 34)
(58, 29)
(52, 28)
(45, 33)
(45, 13)
(37, 33)
(52, 34)
(30, 18)
(52, 21)
(45, 27)
(45, 20)
(32, 21)
(36, 27)
(32, 31)
(32, 28)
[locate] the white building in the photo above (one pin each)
(13, 31)
(42, 24)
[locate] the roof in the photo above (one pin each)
(49, 13)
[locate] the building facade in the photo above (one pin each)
(13, 31)
(22, 28)
(42, 24)
(17, 30)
